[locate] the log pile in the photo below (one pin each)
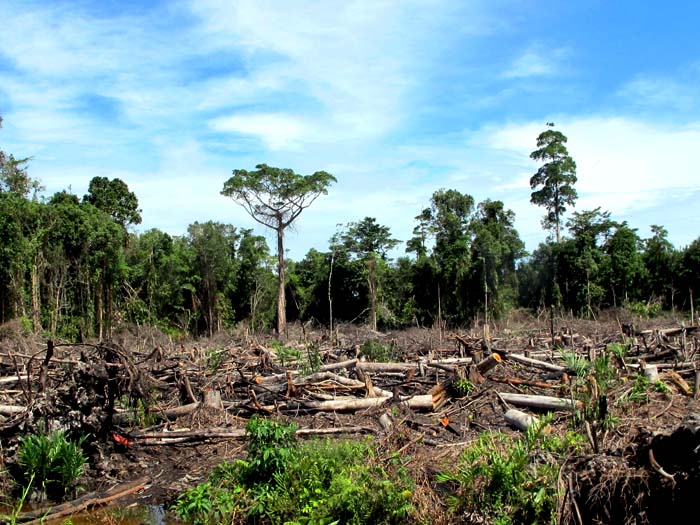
(104, 387)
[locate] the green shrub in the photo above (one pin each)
(510, 480)
(51, 462)
(378, 352)
(271, 446)
(282, 482)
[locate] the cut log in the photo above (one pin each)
(386, 367)
(184, 436)
(525, 382)
(13, 379)
(677, 380)
(535, 363)
(85, 502)
(519, 419)
(341, 380)
(490, 362)
(544, 402)
(351, 404)
(9, 410)
(651, 372)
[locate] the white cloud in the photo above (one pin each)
(278, 131)
(536, 62)
(660, 92)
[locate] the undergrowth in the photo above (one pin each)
(50, 463)
(314, 483)
(510, 480)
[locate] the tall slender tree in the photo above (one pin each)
(555, 178)
(369, 241)
(275, 197)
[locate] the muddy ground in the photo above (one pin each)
(125, 393)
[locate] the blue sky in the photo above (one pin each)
(396, 98)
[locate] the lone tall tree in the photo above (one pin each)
(275, 197)
(556, 177)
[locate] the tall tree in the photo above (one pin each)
(369, 242)
(114, 198)
(555, 178)
(496, 247)
(447, 221)
(275, 197)
(659, 259)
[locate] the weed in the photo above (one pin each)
(270, 447)
(313, 360)
(214, 358)
(463, 386)
(646, 310)
(317, 483)
(51, 461)
(12, 518)
(661, 387)
(590, 388)
(511, 480)
(138, 415)
(285, 354)
(639, 391)
(378, 352)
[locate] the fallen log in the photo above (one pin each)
(9, 410)
(487, 364)
(519, 419)
(184, 436)
(525, 382)
(534, 362)
(13, 379)
(424, 401)
(87, 501)
(544, 402)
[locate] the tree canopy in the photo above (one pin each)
(555, 178)
(275, 197)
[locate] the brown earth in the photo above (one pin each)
(126, 393)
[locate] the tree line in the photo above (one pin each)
(74, 268)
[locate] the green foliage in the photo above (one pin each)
(271, 445)
(463, 386)
(320, 482)
(52, 462)
(313, 360)
(137, 412)
(285, 354)
(114, 198)
(590, 389)
(208, 504)
(13, 517)
(511, 480)
(646, 310)
(378, 352)
(215, 357)
(661, 387)
(640, 390)
(555, 178)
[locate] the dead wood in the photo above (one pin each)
(84, 502)
(535, 401)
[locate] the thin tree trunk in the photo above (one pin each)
(372, 282)
(330, 297)
(36, 296)
(281, 303)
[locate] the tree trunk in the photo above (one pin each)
(372, 282)
(281, 303)
(330, 298)
(36, 296)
